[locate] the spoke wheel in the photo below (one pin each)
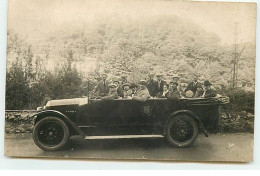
(50, 133)
(182, 131)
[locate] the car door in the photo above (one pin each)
(101, 112)
(124, 115)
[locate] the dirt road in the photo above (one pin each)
(217, 147)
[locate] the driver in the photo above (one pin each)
(101, 89)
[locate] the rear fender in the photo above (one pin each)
(40, 115)
(192, 115)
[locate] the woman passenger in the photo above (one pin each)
(164, 93)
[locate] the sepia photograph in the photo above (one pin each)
(130, 80)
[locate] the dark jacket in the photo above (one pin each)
(210, 93)
(151, 86)
(159, 87)
(193, 87)
(198, 93)
(173, 95)
(120, 91)
(111, 96)
(102, 89)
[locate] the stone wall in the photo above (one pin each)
(19, 121)
(236, 122)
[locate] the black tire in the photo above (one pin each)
(182, 131)
(51, 133)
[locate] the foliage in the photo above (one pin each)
(22, 92)
(240, 100)
(17, 88)
(169, 45)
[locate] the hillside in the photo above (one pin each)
(167, 45)
(122, 45)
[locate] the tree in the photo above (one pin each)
(17, 88)
(69, 80)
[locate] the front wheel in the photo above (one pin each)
(50, 133)
(182, 131)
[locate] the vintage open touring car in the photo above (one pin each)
(177, 121)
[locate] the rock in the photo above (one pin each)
(250, 116)
(24, 116)
(224, 116)
(17, 115)
(11, 118)
(243, 112)
(233, 122)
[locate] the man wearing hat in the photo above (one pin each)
(102, 89)
(173, 93)
(194, 85)
(127, 92)
(119, 87)
(142, 94)
(112, 93)
(151, 85)
(176, 79)
(159, 84)
(208, 91)
(133, 88)
(124, 79)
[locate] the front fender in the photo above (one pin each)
(37, 116)
(193, 115)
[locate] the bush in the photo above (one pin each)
(66, 82)
(240, 100)
(17, 88)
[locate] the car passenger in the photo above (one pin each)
(142, 94)
(102, 89)
(127, 92)
(198, 93)
(119, 87)
(193, 86)
(165, 91)
(208, 90)
(176, 78)
(173, 93)
(112, 93)
(134, 88)
(159, 84)
(151, 85)
(124, 79)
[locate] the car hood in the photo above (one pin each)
(73, 101)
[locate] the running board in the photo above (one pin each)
(124, 136)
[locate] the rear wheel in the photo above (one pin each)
(51, 133)
(182, 131)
